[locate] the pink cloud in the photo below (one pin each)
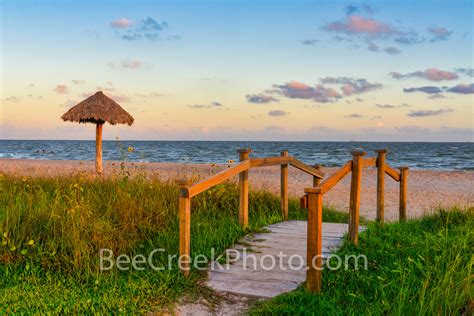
(432, 74)
(299, 90)
(355, 24)
(121, 23)
(61, 88)
(435, 74)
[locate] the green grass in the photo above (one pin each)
(52, 229)
(422, 267)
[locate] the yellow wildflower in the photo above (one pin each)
(31, 242)
(24, 179)
(130, 149)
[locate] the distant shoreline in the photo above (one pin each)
(244, 141)
(416, 155)
(427, 189)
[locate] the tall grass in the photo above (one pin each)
(422, 267)
(52, 229)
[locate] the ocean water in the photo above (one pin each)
(434, 156)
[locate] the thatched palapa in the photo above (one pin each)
(98, 109)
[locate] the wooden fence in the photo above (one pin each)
(188, 190)
(313, 200)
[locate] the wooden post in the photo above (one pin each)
(380, 184)
(284, 187)
(304, 198)
(354, 206)
(244, 190)
(403, 193)
(316, 180)
(314, 240)
(184, 226)
(98, 147)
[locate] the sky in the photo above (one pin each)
(241, 70)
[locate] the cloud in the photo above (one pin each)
(277, 113)
(372, 47)
(260, 98)
(436, 96)
(462, 88)
(466, 71)
(121, 23)
(352, 8)
(439, 33)
(358, 25)
(355, 115)
(391, 106)
(211, 105)
(11, 99)
(147, 29)
(424, 113)
(432, 74)
(61, 88)
(132, 64)
(310, 42)
(299, 90)
(79, 81)
(408, 38)
(392, 50)
(425, 89)
(352, 85)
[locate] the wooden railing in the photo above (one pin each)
(314, 200)
(189, 190)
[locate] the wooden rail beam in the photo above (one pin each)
(218, 178)
(284, 186)
(392, 173)
(184, 227)
(314, 240)
(403, 193)
(308, 169)
(381, 153)
(354, 205)
(369, 162)
(330, 182)
(270, 161)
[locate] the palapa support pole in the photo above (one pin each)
(314, 240)
(354, 205)
(403, 193)
(284, 186)
(184, 226)
(244, 190)
(381, 184)
(98, 147)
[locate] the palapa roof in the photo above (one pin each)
(98, 108)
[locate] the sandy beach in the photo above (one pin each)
(427, 189)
